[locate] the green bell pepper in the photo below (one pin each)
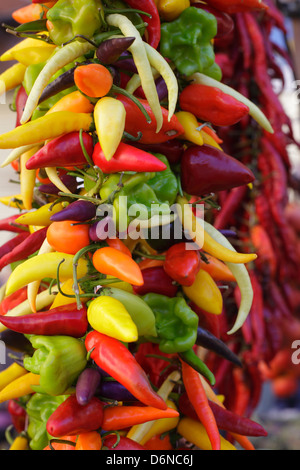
(58, 360)
(74, 17)
(39, 409)
(176, 323)
(187, 42)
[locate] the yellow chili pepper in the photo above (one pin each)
(13, 372)
(161, 426)
(44, 266)
(194, 227)
(208, 140)
(15, 201)
(20, 443)
(190, 124)
(29, 51)
(66, 288)
(27, 179)
(205, 293)
(55, 179)
(33, 287)
(15, 154)
(169, 10)
(109, 117)
(47, 127)
(139, 432)
(40, 217)
(108, 315)
(43, 300)
(19, 387)
(12, 77)
(194, 432)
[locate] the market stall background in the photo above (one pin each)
(280, 417)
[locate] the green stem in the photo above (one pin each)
(121, 91)
(144, 255)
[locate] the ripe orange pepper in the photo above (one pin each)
(74, 102)
(114, 262)
(93, 80)
(89, 441)
(67, 238)
(217, 269)
(63, 445)
(118, 245)
(31, 12)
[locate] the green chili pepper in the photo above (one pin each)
(58, 360)
(191, 358)
(187, 42)
(138, 309)
(72, 17)
(39, 409)
(176, 323)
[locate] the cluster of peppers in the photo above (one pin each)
(120, 336)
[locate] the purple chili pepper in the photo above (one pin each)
(102, 230)
(109, 51)
(229, 233)
(126, 62)
(172, 149)
(79, 211)
(69, 181)
(87, 384)
(115, 391)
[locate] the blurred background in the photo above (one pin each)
(279, 415)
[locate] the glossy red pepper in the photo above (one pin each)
(156, 280)
(12, 243)
(154, 366)
(18, 415)
(64, 151)
(127, 158)
(153, 28)
(111, 442)
(136, 122)
(236, 6)
(26, 248)
(21, 99)
(172, 149)
(225, 22)
(71, 419)
(212, 105)
(8, 224)
(206, 169)
(115, 359)
(66, 320)
(181, 264)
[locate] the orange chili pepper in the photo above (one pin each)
(150, 263)
(89, 441)
(118, 245)
(114, 262)
(159, 442)
(212, 134)
(63, 445)
(32, 12)
(122, 417)
(217, 269)
(74, 102)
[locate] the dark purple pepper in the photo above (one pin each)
(87, 385)
(79, 211)
(115, 391)
(69, 181)
(126, 62)
(161, 88)
(61, 83)
(228, 233)
(100, 230)
(110, 51)
(172, 149)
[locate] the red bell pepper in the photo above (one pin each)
(181, 264)
(18, 415)
(64, 151)
(124, 443)
(66, 320)
(212, 105)
(127, 158)
(8, 224)
(71, 419)
(153, 28)
(26, 248)
(136, 122)
(156, 280)
(237, 6)
(115, 359)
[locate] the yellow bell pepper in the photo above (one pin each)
(29, 51)
(169, 10)
(194, 432)
(20, 443)
(44, 266)
(108, 315)
(109, 116)
(27, 179)
(40, 217)
(190, 124)
(205, 293)
(12, 77)
(19, 387)
(13, 372)
(47, 127)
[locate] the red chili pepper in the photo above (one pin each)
(122, 417)
(212, 105)
(64, 151)
(113, 357)
(70, 418)
(26, 248)
(65, 320)
(266, 257)
(127, 158)
(154, 366)
(18, 415)
(124, 443)
(8, 303)
(236, 6)
(20, 103)
(156, 280)
(11, 244)
(136, 122)
(198, 398)
(153, 28)
(229, 209)
(181, 264)
(9, 224)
